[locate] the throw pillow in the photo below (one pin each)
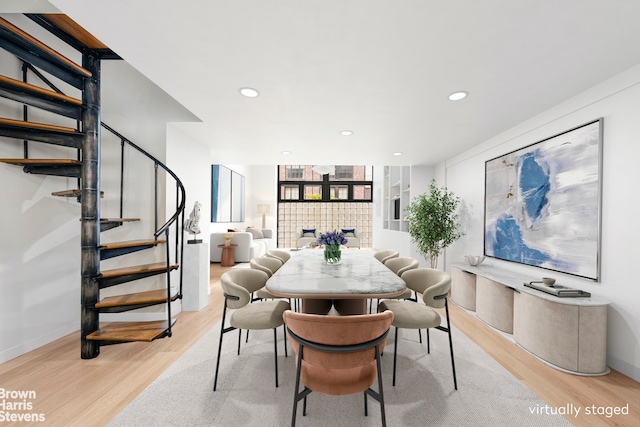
(349, 232)
(308, 232)
(257, 233)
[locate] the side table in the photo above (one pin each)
(227, 258)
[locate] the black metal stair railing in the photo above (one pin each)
(176, 219)
(85, 138)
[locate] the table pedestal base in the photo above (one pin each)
(344, 307)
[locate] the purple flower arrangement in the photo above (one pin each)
(332, 238)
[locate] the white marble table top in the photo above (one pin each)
(360, 275)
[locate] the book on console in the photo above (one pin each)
(557, 290)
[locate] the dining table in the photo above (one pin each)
(343, 287)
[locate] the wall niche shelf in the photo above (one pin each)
(397, 191)
(569, 334)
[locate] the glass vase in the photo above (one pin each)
(332, 254)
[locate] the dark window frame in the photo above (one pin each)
(326, 184)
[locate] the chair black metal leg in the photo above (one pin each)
(295, 391)
(395, 356)
(275, 352)
(240, 339)
(420, 335)
(380, 391)
(222, 332)
(366, 411)
(428, 343)
(453, 363)
(284, 328)
(215, 380)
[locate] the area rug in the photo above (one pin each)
(487, 395)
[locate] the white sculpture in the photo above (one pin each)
(191, 224)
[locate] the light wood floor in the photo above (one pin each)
(75, 392)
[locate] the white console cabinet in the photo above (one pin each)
(568, 333)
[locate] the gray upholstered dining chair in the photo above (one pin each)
(237, 286)
(268, 265)
(283, 256)
(399, 265)
(338, 355)
(384, 255)
(433, 285)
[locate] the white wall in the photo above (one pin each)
(618, 102)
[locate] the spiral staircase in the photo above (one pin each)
(40, 61)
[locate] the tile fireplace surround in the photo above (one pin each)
(293, 217)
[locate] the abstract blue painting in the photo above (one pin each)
(542, 203)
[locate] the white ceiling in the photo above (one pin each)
(380, 68)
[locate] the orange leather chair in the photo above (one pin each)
(338, 355)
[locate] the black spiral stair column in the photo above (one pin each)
(90, 207)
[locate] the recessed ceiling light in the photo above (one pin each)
(457, 96)
(346, 132)
(248, 92)
(397, 153)
(286, 153)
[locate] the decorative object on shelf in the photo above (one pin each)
(433, 222)
(474, 259)
(547, 284)
(191, 224)
(264, 210)
(331, 241)
(227, 238)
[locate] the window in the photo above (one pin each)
(313, 192)
(343, 173)
(347, 183)
(289, 192)
(294, 172)
(339, 192)
(362, 192)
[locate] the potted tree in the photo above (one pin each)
(433, 221)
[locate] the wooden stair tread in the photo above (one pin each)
(130, 331)
(145, 268)
(35, 42)
(130, 243)
(71, 193)
(119, 219)
(72, 28)
(39, 90)
(38, 126)
(31, 162)
(147, 297)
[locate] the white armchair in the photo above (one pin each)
(306, 236)
(354, 237)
